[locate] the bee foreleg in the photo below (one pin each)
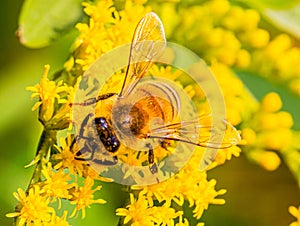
(94, 100)
(89, 147)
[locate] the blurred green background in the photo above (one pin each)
(254, 197)
(19, 128)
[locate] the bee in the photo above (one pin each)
(145, 113)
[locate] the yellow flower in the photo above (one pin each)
(239, 102)
(137, 211)
(249, 135)
(83, 196)
(63, 116)
(296, 213)
(182, 222)
(141, 212)
(258, 38)
(47, 92)
(233, 18)
(226, 32)
(165, 215)
(107, 29)
(267, 159)
(269, 129)
(66, 157)
(165, 72)
(271, 102)
(219, 7)
(278, 45)
(243, 58)
(270, 63)
(226, 154)
(295, 85)
(33, 208)
(56, 184)
(58, 221)
(188, 184)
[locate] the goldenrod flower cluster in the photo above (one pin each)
(227, 37)
(233, 35)
(49, 183)
(35, 206)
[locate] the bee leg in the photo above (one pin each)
(115, 159)
(84, 123)
(88, 145)
(88, 148)
(152, 164)
(93, 100)
(165, 144)
(78, 153)
(107, 162)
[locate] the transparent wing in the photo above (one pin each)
(207, 131)
(147, 44)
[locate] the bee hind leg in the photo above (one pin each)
(152, 165)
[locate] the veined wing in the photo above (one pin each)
(207, 131)
(147, 44)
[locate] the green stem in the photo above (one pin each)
(47, 139)
(120, 223)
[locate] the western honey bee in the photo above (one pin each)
(145, 113)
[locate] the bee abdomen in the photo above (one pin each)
(106, 135)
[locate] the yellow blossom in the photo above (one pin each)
(224, 39)
(243, 58)
(189, 184)
(296, 213)
(267, 159)
(47, 92)
(33, 208)
(269, 129)
(182, 222)
(107, 28)
(278, 45)
(295, 85)
(226, 154)
(239, 102)
(271, 102)
(66, 157)
(57, 184)
(219, 7)
(277, 139)
(58, 221)
(84, 196)
(137, 211)
(258, 38)
(284, 70)
(141, 212)
(249, 135)
(286, 120)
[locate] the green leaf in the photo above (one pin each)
(286, 19)
(260, 87)
(285, 15)
(43, 21)
(272, 4)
